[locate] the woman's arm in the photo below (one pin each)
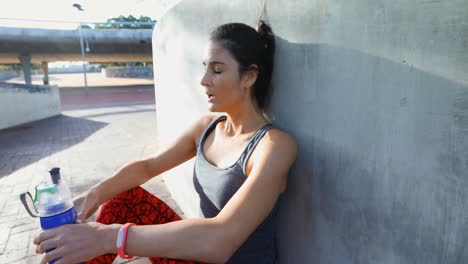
(211, 240)
(215, 240)
(138, 172)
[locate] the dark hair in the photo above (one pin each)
(250, 47)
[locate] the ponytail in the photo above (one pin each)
(268, 39)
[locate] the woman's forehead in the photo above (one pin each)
(215, 52)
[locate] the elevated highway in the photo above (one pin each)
(46, 45)
(26, 46)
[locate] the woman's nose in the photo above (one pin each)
(204, 80)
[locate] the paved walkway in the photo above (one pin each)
(88, 144)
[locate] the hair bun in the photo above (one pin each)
(265, 33)
(263, 28)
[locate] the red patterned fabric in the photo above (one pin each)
(141, 208)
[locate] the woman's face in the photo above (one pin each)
(224, 87)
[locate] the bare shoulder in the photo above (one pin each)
(201, 124)
(273, 157)
(204, 121)
(277, 143)
(280, 141)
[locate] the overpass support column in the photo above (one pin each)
(45, 70)
(26, 64)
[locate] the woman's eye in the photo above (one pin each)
(217, 71)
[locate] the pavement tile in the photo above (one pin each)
(10, 210)
(21, 261)
(34, 259)
(31, 247)
(5, 232)
(24, 227)
(12, 203)
(13, 255)
(18, 241)
(23, 219)
(88, 144)
(12, 219)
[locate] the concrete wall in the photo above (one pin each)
(376, 94)
(75, 69)
(4, 75)
(21, 104)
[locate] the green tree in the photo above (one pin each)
(125, 22)
(10, 67)
(122, 22)
(18, 67)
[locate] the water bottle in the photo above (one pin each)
(52, 202)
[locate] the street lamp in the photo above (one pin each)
(83, 56)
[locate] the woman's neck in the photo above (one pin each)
(245, 121)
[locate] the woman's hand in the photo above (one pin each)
(76, 242)
(85, 205)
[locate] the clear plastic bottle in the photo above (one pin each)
(53, 202)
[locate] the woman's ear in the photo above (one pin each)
(250, 76)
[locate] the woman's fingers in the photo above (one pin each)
(46, 245)
(52, 255)
(74, 243)
(44, 236)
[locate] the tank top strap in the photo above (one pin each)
(208, 130)
(251, 146)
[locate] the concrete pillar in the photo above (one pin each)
(376, 95)
(45, 70)
(26, 64)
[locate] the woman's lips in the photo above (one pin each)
(210, 96)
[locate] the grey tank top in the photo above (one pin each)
(216, 186)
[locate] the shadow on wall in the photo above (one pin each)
(383, 155)
(26, 144)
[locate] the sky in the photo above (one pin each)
(62, 10)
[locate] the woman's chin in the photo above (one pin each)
(213, 108)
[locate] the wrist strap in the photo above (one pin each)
(122, 240)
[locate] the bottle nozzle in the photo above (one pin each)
(55, 175)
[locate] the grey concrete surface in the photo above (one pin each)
(376, 94)
(88, 144)
(21, 104)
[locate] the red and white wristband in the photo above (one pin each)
(122, 239)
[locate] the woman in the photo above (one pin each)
(241, 169)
